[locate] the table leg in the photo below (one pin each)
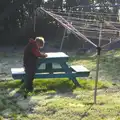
(68, 70)
(49, 68)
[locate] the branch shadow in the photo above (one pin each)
(86, 112)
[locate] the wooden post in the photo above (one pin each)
(98, 61)
(34, 24)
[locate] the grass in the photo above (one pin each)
(109, 64)
(59, 99)
(62, 85)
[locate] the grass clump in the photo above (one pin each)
(58, 85)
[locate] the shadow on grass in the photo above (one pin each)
(9, 107)
(58, 85)
(52, 87)
(48, 87)
(41, 86)
(85, 114)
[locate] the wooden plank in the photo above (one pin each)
(56, 55)
(18, 73)
(21, 70)
(52, 70)
(59, 75)
(17, 70)
(51, 60)
(79, 68)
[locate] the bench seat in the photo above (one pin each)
(79, 68)
(77, 71)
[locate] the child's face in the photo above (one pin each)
(40, 44)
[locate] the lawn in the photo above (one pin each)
(109, 64)
(59, 99)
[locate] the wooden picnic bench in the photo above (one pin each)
(54, 66)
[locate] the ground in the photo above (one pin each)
(9, 57)
(59, 99)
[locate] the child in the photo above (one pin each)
(31, 53)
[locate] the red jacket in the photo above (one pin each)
(31, 53)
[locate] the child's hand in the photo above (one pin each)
(45, 55)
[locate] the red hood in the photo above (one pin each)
(32, 41)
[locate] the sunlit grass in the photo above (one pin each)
(109, 64)
(60, 85)
(59, 99)
(77, 105)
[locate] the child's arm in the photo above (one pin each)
(37, 53)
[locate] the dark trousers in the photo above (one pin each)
(29, 77)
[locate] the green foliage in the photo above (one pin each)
(10, 84)
(16, 17)
(58, 85)
(1, 118)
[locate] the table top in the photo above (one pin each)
(56, 55)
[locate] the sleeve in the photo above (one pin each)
(37, 53)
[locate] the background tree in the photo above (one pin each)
(16, 17)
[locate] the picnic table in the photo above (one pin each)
(55, 65)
